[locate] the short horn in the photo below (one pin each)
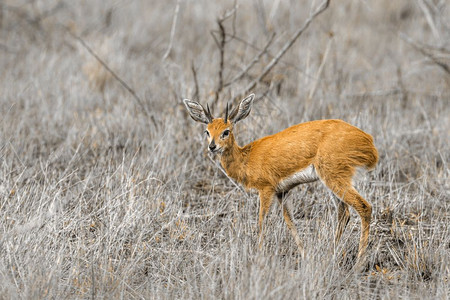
(209, 115)
(226, 114)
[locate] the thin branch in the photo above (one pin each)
(233, 23)
(52, 11)
(430, 20)
(426, 52)
(287, 46)
(320, 70)
(262, 16)
(270, 55)
(252, 63)
(194, 73)
(229, 13)
(221, 45)
(172, 30)
(35, 21)
(221, 61)
(212, 32)
(120, 80)
(404, 92)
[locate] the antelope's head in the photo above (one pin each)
(219, 132)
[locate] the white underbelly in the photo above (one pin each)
(306, 175)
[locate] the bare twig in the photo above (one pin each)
(287, 46)
(270, 55)
(229, 13)
(261, 13)
(426, 51)
(221, 45)
(252, 63)
(233, 23)
(34, 21)
(404, 92)
(120, 80)
(221, 61)
(194, 73)
(172, 30)
(430, 20)
(320, 70)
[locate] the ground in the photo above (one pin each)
(112, 195)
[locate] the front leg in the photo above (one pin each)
(290, 224)
(265, 201)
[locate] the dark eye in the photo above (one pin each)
(225, 133)
(207, 132)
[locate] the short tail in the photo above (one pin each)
(370, 154)
(373, 159)
(365, 154)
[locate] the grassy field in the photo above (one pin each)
(105, 195)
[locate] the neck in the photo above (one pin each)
(234, 161)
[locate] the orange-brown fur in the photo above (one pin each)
(334, 147)
(329, 150)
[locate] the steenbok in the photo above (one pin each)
(325, 150)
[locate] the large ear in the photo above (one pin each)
(243, 110)
(197, 112)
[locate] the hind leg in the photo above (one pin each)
(351, 197)
(339, 180)
(343, 218)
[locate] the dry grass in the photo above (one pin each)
(98, 200)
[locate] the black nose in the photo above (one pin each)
(212, 146)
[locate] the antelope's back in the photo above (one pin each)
(295, 148)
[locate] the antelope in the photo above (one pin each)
(325, 150)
